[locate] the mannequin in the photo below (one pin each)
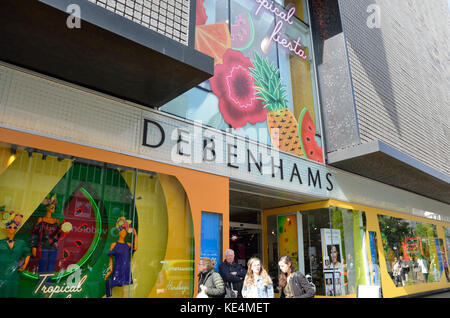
(12, 253)
(120, 257)
(45, 236)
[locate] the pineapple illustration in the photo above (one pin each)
(283, 127)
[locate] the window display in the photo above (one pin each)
(412, 251)
(72, 227)
(446, 258)
(332, 247)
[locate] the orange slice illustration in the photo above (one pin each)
(213, 40)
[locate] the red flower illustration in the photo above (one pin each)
(200, 13)
(233, 84)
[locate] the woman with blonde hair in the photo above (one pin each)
(257, 283)
(209, 281)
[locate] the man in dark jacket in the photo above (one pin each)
(232, 273)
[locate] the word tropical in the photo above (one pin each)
(65, 289)
(293, 46)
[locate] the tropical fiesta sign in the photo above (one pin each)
(248, 84)
(284, 16)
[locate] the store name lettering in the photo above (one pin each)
(293, 46)
(56, 289)
(236, 155)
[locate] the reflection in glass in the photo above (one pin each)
(446, 247)
(412, 251)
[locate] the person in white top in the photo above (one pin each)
(396, 272)
(422, 262)
(257, 283)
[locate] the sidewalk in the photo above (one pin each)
(438, 295)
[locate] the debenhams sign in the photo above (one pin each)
(198, 147)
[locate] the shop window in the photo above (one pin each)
(82, 228)
(351, 225)
(329, 244)
(314, 224)
(412, 251)
(263, 86)
(336, 250)
(446, 256)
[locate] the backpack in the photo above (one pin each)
(297, 278)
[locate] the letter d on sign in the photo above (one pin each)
(74, 19)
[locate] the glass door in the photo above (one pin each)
(327, 243)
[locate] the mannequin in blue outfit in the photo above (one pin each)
(120, 260)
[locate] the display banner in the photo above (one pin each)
(332, 262)
(287, 237)
(211, 237)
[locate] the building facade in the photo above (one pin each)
(159, 132)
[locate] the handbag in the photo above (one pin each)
(230, 292)
(297, 281)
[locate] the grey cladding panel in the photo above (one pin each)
(401, 75)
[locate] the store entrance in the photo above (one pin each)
(245, 241)
(247, 203)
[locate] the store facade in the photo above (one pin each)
(163, 187)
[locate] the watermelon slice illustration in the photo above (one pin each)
(213, 40)
(308, 142)
(243, 32)
(77, 245)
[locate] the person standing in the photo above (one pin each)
(232, 273)
(396, 272)
(404, 270)
(257, 283)
(209, 281)
(293, 284)
(422, 262)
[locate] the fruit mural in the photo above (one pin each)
(243, 32)
(283, 127)
(233, 84)
(248, 79)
